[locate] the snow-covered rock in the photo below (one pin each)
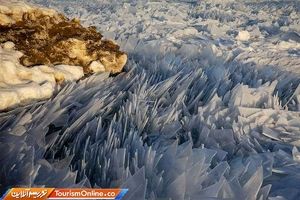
(13, 11)
(20, 84)
(39, 45)
(96, 67)
(51, 38)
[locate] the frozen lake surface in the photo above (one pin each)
(208, 106)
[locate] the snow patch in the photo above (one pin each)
(20, 84)
(96, 67)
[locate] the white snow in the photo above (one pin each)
(96, 67)
(12, 95)
(19, 84)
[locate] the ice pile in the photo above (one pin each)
(177, 135)
(188, 120)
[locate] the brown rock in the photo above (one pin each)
(53, 39)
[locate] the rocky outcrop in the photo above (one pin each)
(48, 38)
(41, 49)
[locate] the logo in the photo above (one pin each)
(63, 193)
